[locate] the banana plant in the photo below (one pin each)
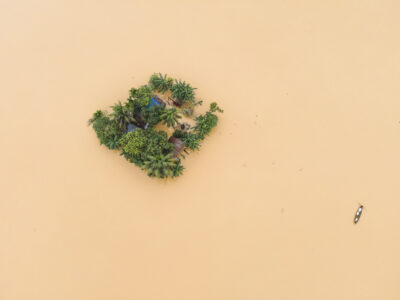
(160, 166)
(170, 117)
(161, 82)
(122, 115)
(182, 92)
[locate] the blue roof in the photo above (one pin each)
(153, 102)
(131, 127)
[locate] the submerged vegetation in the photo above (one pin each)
(182, 92)
(131, 127)
(160, 82)
(170, 117)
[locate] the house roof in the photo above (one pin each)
(159, 100)
(178, 145)
(155, 100)
(131, 127)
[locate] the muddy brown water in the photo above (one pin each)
(264, 211)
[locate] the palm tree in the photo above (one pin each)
(161, 82)
(113, 142)
(170, 117)
(160, 166)
(178, 169)
(122, 115)
(182, 92)
(96, 116)
(192, 141)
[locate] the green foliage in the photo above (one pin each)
(113, 143)
(97, 115)
(179, 134)
(153, 115)
(140, 98)
(122, 115)
(192, 141)
(215, 108)
(170, 117)
(149, 148)
(182, 92)
(161, 166)
(133, 142)
(139, 144)
(143, 91)
(106, 130)
(197, 102)
(177, 170)
(161, 82)
(205, 123)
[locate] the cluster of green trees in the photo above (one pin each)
(147, 147)
(204, 124)
(181, 91)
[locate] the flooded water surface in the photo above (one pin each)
(264, 210)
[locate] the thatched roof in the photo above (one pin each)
(178, 145)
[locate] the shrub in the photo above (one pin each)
(177, 170)
(139, 144)
(106, 130)
(178, 134)
(161, 82)
(161, 166)
(122, 115)
(170, 117)
(140, 98)
(113, 143)
(205, 123)
(97, 115)
(215, 108)
(182, 92)
(152, 115)
(192, 141)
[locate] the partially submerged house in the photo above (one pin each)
(131, 127)
(178, 145)
(155, 100)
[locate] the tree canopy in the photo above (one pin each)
(143, 145)
(183, 92)
(139, 144)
